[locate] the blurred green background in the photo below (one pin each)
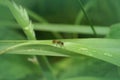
(65, 11)
(102, 13)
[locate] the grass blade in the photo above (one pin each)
(103, 49)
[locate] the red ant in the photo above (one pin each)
(58, 42)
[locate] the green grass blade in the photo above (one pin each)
(103, 49)
(84, 29)
(90, 78)
(114, 32)
(101, 30)
(22, 18)
(90, 22)
(36, 16)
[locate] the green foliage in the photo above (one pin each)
(72, 28)
(104, 49)
(12, 32)
(78, 59)
(89, 78)
(114, 31)
(87, 68)
(16, 67)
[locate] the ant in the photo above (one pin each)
(58, 42)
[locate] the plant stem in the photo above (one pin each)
(22, 18)
(46, 67)
(37, 17)
(92, 27)
(43, 21)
